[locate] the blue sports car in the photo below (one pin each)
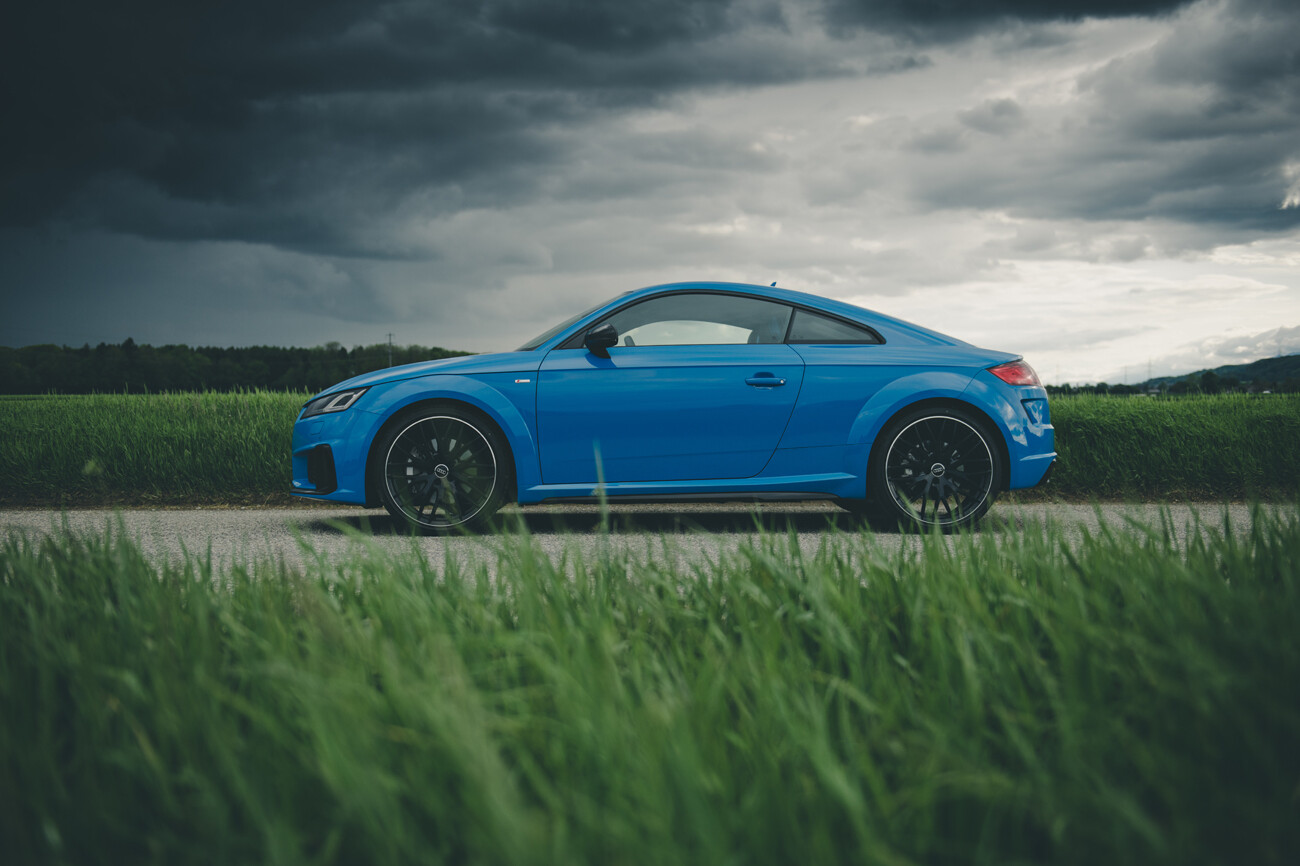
(688, 391)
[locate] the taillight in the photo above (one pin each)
(1016, 373)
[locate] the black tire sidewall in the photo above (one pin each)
(881, 503)
(484, 518)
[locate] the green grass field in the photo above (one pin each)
(204, 448)
(1233, 446)
(234, 448)
(1127, 700)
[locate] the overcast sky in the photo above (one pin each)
(1101, 185)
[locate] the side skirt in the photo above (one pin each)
(828, 485)
(634, 498)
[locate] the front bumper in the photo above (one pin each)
(320, 470)
(327, 462)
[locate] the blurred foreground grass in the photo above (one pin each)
(990, 699)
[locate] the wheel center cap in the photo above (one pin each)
(937, 470)
(441, 470)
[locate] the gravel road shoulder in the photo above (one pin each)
(682, 534)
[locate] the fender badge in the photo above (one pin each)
(522, 381)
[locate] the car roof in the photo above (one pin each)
(893, 329)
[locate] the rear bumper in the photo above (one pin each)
(1024, 418)
(1023, 414)
(1047, 476)
(1031, 470)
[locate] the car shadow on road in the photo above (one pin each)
(720, 521)
(713, 522)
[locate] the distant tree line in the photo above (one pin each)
(1207, 382)
(131, 368)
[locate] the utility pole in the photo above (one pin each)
(390, 349)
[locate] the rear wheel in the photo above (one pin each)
(937, 468)
(443, 468)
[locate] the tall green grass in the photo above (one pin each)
(1020, 699)
(1208, 447)
(234, 448)
(147, 448)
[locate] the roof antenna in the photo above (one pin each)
(773, 283)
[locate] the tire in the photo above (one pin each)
(443, 468)
(934, 468)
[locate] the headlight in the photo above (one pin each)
(336, 402)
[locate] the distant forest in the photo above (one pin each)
(1280, 375)
(128, 367)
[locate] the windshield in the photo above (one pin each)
(566, 324)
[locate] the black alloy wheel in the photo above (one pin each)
(442, 469)
(940, 468)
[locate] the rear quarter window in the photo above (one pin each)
(810, 327)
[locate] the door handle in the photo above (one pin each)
(764, 381)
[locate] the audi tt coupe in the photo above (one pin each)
(689, 391)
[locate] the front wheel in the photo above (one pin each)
(443, 468)
(936, 468)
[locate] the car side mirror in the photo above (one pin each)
(601, 339)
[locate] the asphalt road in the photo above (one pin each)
(678, 533)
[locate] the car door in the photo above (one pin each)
(700, 386)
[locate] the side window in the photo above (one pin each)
(813, 328)
(701, 319)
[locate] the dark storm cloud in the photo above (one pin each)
(300, 123)
(289, 122)
(943, 20)
(1202, 127)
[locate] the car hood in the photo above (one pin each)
(464, 365)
